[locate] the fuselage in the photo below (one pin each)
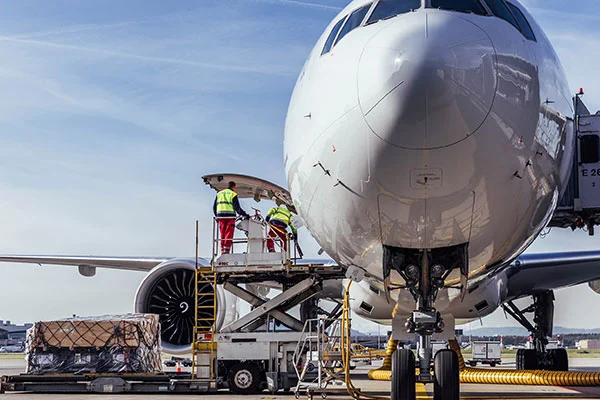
(427, 129)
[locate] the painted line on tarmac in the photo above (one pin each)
(422, 392)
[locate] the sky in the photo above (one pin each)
(110, 113)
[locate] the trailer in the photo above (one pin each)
(486, 352)
(105, 383)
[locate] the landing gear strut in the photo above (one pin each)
(424, 272)
(540, 357)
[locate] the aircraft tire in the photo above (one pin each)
(446, 381)
(527, 359)
(403, 375)
(560, 359)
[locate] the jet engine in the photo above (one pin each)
(168, 290)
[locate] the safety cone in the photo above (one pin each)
(178, 370)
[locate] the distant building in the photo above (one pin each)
(588, 344)
(11, 334)
(3, 337)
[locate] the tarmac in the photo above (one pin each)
(360, 380)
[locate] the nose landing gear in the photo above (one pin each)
(424, 272)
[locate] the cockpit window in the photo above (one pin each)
(525, 27)
(501, 11)
(390, 8)
(353, 21)
(332, 36)
(468, 6)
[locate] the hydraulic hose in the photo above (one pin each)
(345, 342)
(384, 372)
(499, 376)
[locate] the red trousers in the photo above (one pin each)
(226, 230)
(275, 233)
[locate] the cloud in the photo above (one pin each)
(302, 4)
(154, 59)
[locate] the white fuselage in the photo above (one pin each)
(429, 129)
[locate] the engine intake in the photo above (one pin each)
(168, 290)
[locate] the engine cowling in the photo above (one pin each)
(168, 290)
(595, 286)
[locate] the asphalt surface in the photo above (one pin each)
(359, 377)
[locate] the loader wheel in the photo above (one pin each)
(446, 383)
(403, 375)
(244, 378)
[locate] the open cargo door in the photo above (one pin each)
(249, 187)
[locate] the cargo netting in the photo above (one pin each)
(105, 344)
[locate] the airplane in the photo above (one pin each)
(427, 144)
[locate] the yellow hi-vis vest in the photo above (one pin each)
(225, 202)
(282, 215)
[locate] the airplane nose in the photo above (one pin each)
(427, 80)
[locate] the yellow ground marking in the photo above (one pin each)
(422, 392)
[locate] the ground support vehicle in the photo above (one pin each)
(253, 361)
(486, 352)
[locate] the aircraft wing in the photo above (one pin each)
(249, 187)
(89, 263)
(531, 273)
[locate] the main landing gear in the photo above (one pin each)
(424, 272)
(540, 357)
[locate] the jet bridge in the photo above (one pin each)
(579, 206)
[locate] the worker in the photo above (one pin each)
(225, 207)
(279, 218)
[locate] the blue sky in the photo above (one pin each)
(112, 111)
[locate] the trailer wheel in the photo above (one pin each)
(244, 378)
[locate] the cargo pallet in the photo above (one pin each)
(107, 383)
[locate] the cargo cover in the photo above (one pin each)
(110, 343)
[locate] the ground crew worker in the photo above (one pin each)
(225, 207)
(279, 219)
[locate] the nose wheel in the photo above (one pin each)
(446, 380)
(403, 375)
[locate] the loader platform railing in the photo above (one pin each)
(256, 230)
